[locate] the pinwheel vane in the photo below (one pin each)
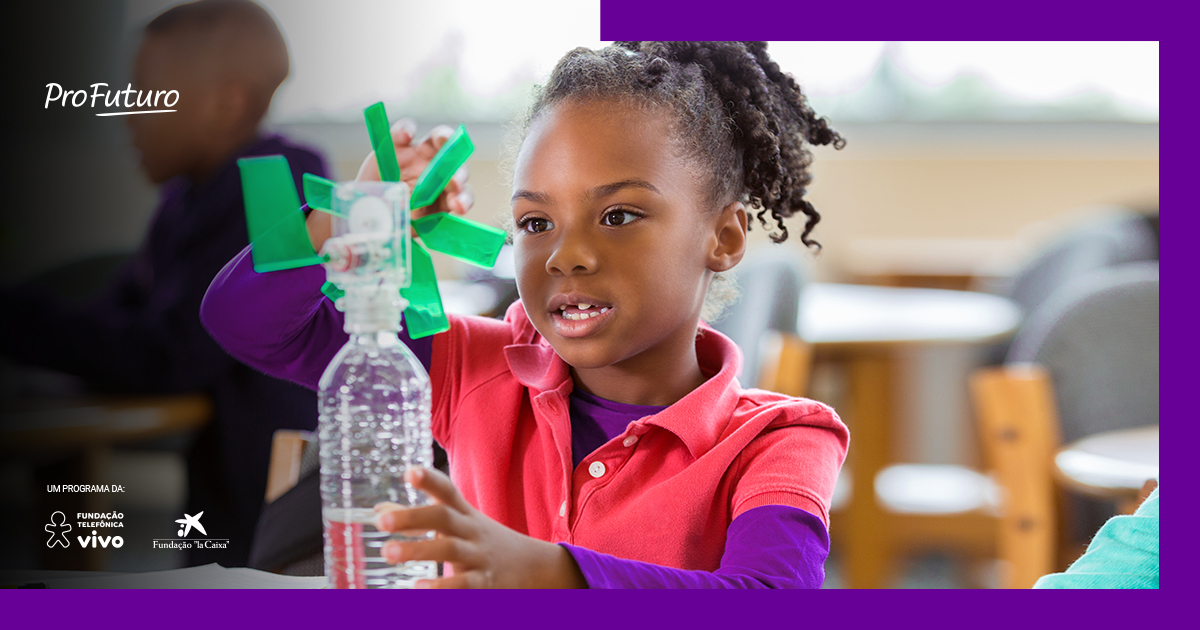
(280, 240)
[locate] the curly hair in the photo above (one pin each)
(746, 120)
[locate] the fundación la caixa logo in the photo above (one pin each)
(186, 525)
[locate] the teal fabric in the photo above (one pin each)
(1124, 554)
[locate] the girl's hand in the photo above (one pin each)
(457, 198)
(482, 552)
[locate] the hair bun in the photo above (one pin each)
(654, 72)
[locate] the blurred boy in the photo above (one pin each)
(143, 334)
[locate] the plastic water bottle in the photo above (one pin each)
(374, 400)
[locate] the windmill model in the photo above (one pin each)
(372, 263)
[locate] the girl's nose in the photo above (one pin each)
(573, 254)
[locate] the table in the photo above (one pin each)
(861, 327)
(1110, 465)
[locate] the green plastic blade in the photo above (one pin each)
(463, 239)
(332, 291)
(318, 193)
(381, 142)
(424, 315)
(448, 160)
(273, 217)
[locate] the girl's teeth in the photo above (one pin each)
(579, 316)
(584, 307)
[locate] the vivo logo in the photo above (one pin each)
(95, 541)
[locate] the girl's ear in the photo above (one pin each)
(730, 238)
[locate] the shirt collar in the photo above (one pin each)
(698, 419)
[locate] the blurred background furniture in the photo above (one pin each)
(1084, 364)
(288, 538)
(1113, 465)
(889, 511)
(1116, 237)
(763, 320)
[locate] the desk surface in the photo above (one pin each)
(206, 576)
(849, 314)
(92, 421)
(1111, 464)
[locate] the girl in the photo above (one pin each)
(601, 414)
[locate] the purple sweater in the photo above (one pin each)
(267, 319)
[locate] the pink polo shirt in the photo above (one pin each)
(664, 491)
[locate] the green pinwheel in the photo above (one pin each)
(280, 241)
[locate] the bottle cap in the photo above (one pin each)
(372, 308)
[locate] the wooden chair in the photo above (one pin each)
(287, 461)
(1085, 362)
(786, 363)
(287, 538)
(1014, 406)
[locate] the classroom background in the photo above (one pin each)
(966, 163)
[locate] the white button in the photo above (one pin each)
(596, 469)
(562, 509)
(630, 441)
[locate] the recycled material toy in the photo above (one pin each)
(280, 240)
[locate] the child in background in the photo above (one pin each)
(142, 334)
(602, 414)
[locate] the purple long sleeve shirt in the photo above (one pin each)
(280, 323)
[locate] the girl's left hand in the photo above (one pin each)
(482, 552)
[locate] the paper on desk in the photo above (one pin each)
(206, 576)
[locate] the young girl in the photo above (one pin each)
(598, 436)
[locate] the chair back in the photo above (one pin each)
(770, 280)
(294, 454)
(1098, 339)
(1114, 239)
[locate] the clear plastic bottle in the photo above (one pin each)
(374, 401)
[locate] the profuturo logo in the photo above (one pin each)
(132, 99)
(186, 525)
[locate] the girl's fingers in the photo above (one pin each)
(438, 518)
(461, 175)
(466, 199)
(469, 579)
(447, 549)
(439, 135)
(457, 201)
(439, 487)
(403, 131)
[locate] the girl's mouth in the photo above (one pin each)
(580, 320)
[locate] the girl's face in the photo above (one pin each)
(614, 243)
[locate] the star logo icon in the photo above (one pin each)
(58, 529)
(188, 522)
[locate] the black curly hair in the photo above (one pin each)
(746, 120)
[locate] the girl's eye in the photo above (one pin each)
(614, 218)
(535, 225)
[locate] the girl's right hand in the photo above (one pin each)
(457, 198)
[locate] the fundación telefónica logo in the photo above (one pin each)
(58, 528)
(186, 525)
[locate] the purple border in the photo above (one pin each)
(629, 19)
